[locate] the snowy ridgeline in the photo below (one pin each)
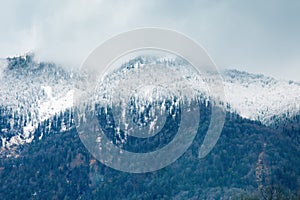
(259, 97)
(30, 93)
(36, 92)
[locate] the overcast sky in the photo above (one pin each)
(254, 36)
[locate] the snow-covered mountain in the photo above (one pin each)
(33, 92)
(260, 97)
(30, 93)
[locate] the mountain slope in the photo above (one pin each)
(258, 150)
(249, 158)
(33, 92)
(261, 98)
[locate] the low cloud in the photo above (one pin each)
(260, 37)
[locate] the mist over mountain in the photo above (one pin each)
(42, 156)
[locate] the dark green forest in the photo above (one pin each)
(250, 161)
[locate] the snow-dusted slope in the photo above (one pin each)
(259, 97)
(37, 91)
(256, 97)
(33, 92)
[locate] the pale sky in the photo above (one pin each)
(254, 36)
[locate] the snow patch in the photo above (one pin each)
(54, 105)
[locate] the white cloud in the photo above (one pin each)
(72, 30)
(260, 37)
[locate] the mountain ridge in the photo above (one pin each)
(42, 156)
(36, 91)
